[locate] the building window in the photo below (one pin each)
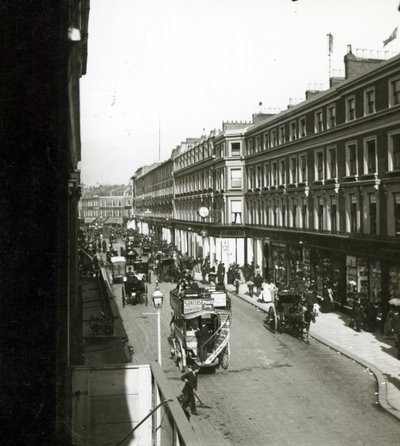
(236, 178)
(369, 101)
(318, 120)
(250, 146)
(394, 92)
(236, 212)
(333, 214)
(370, 156)
(235, 148)
(282, 172)
(303, 168)
(319, 166)
(394, 151)
(294, 214)
(274, 141)
(258, 143)
(351, 159)
(350, 109)
(293, 131)
(372, 214)
(266, 140)
(302, 127)
(397, 214)
(353, 213)
(259, 177)
(283, 215)
(304, 214)
(250, 178)
(266, 175)
(293, 170)
(282, 138)
(274, 173)
(332, 163)
(331, 117)
(320, 213)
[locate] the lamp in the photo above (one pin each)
(157, 298)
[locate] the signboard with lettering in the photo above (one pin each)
(192, 305)
(219, 299)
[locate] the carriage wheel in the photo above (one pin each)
(225, 357)
(179, 356)
(272, 320)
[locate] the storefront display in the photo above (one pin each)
(295, 264)
(394, 281)
(279, 263)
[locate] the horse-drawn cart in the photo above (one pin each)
(134, 290)
(289, 313)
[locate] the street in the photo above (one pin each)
(277, 389)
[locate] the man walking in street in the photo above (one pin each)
(190, 380)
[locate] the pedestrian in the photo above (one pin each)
(190, 380)
(202, 335)
(258, 281)
(250, 286)
(268, 291)
(387, 330)
(237, 283)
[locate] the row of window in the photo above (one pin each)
(323, 119)
(104, 203)
(325, 162)
(194, 155)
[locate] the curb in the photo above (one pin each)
(382, 388)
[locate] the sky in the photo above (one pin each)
(160, 71)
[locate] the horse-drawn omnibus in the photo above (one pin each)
(118, 264)
(200, 328)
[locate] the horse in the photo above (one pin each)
(305, 316)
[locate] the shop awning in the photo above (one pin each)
(113, 220)
(89, 220)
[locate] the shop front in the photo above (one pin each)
(363, 279)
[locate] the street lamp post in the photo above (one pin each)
(157, 298)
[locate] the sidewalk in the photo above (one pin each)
(376, 354)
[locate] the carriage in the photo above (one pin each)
(134, 290)
(167, 270)
(118, 264)
(200, 328)
(289, 314)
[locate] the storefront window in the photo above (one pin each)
(279, 263)
(394, 281)
(295, 264)
(351, 279)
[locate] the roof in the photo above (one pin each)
(117, 259)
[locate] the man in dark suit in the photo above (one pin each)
(190, 380)
(202, 336)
